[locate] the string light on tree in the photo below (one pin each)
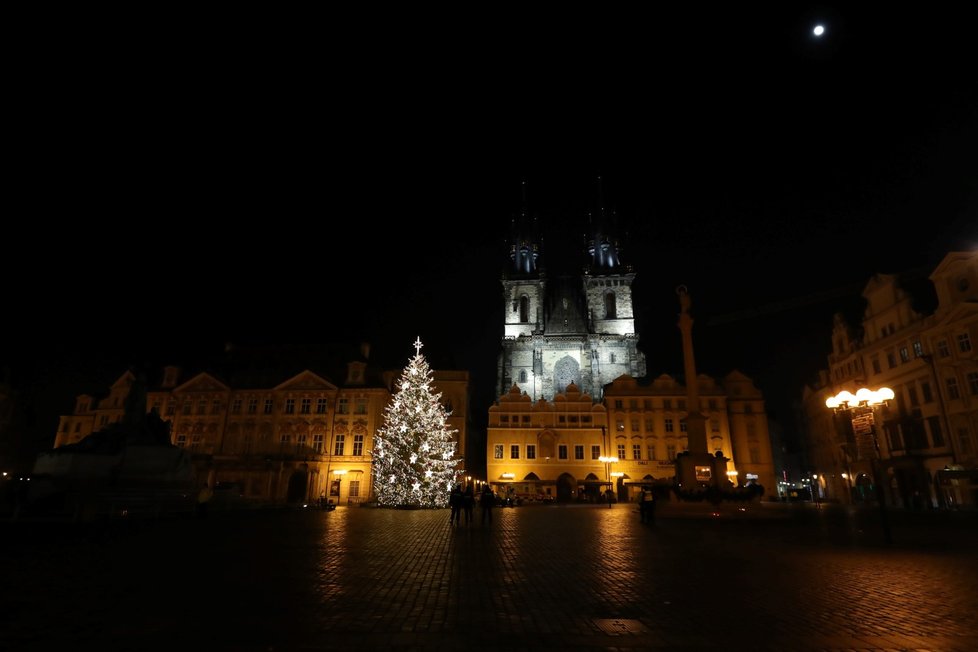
(414, 450)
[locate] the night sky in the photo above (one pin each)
(291, 184)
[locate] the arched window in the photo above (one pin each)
(610, 309)
(522, 375)
(524, 309)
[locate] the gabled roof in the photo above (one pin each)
(202, 382)
(307, 380)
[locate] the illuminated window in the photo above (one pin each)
(317, 443)
(497, 451)
(358, 444)
(620, 425)
(354, 488)
(339, 443)
(621, 451)
(636, 451)
(595, 452)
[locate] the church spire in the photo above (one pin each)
(524, 244)
(603, 248)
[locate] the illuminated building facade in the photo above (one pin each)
(572, 390)
(292, 441)
(919, 338)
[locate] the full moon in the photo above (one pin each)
(818, 31)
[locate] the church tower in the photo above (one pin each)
(566, 330)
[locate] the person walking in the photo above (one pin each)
(455, 499)
(486, 501)
(646, 505)
(468, 504)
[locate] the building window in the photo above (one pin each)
(918, 350)
(964, 342)
(636, 451)
(236, 406)
(714, 425)
(595, 452)
(936, 434)
(667, 404)
(290, 406)
(972, 378)
(610, 309)
(682, 425)
(317, 443)
(620, 425)
(497, 451)
(171, 408)
(952, 389)
(524, 309)
(522, 375)
(633, 404)
(202, 406)
(712, 403)
(252, 405)
(103, 420)
(635, 427)
(651, 449)
(619, 404)
(78, 427)
(187, 407)
(647, 404)
(671, 452)
(320, 406)
(65, 426)
(344, 406)
(925, 389)
(339, 444)
(531, 451)
(890, 360)
(964, 442)
(182, 441)
(669, 426)
(196, 441)
(621, 451)
(504, 418)
(896, 439)
(912, 393)
(514, 452)
(526, 418)
(562, 452)
(681, 404)
(942, 349)
(748, 408)
(579, 452)
(269, 406)
(361, 406)
(301, 441)
(649, 425)
(876, 366)
(358, 444)
(305, 406)
(354, 488)
(904, 354)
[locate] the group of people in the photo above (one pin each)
(463, 502)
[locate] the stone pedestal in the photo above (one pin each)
(697, 471)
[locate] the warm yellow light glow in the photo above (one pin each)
(608, 460)
(339, 472)
(863, 397)
(845, 476)
(508, 476)
(617, 474)
(731, 473)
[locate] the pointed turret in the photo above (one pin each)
(603, 247)
(524, 243)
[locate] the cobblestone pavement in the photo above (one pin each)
(539, 578)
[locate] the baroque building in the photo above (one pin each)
(918, 337)
(276, 438)
(572, 388)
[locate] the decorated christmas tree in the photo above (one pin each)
(414, 461)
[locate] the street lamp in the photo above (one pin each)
(608, 461)
(861, 408)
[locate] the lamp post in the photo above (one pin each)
(861, 408)
(608, 460)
